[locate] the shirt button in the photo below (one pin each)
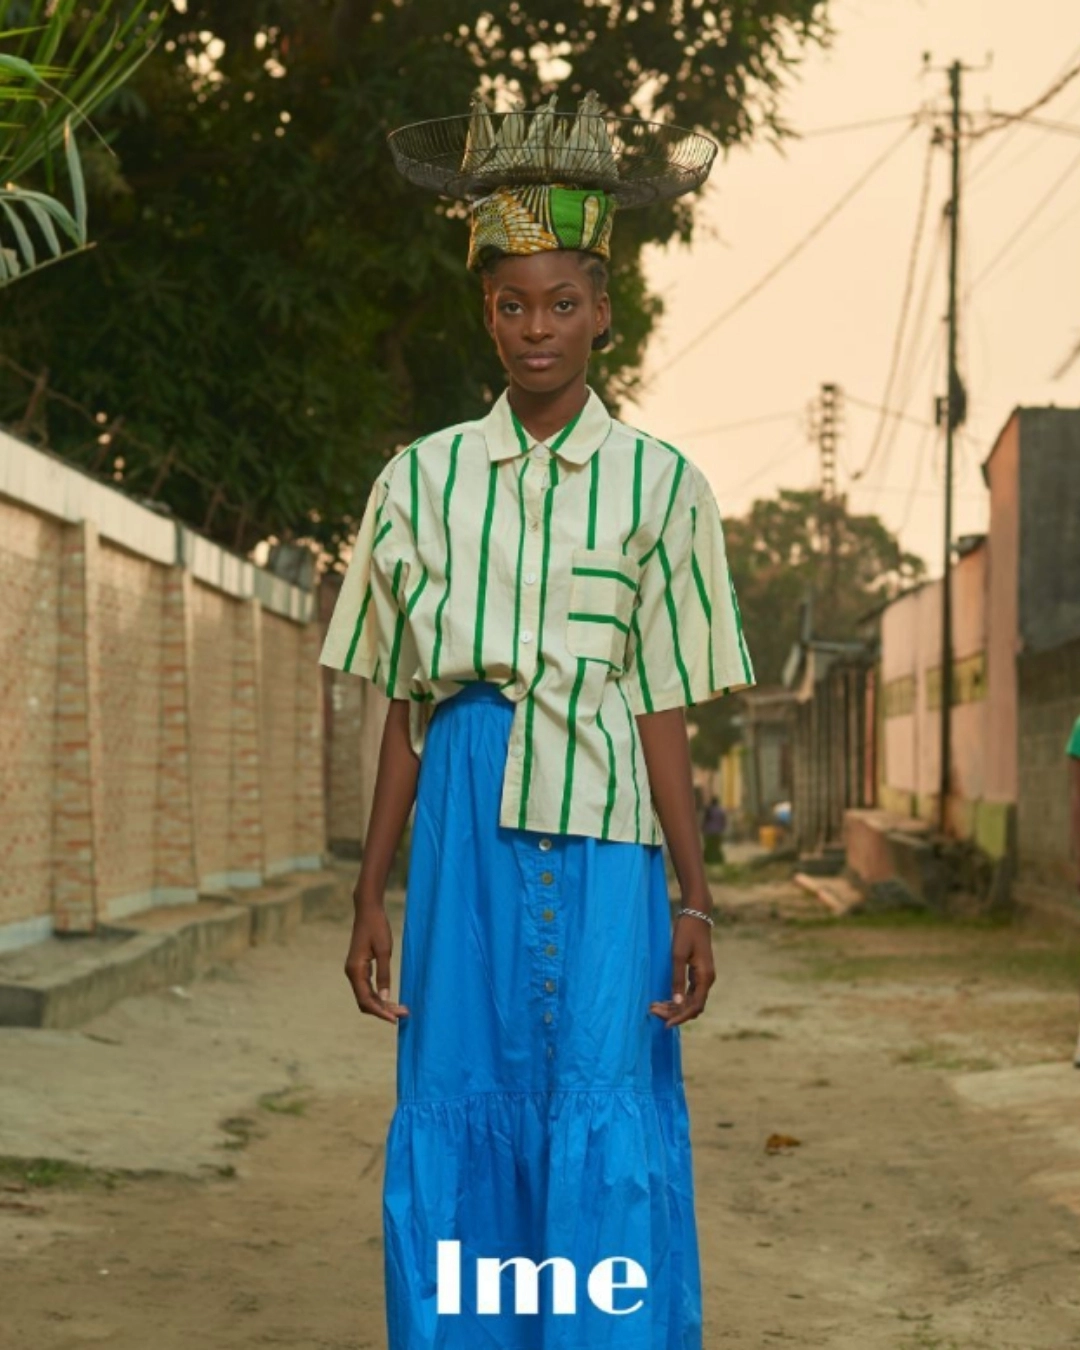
(551, 1052)
(534, 524)
(530, 577)
(517, 751)
(547, 878)
(545, 844)
(548, 1017)
(550, 949)
(549, 985)
(526, 636)
(549, 914)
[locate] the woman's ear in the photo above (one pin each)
(602, 336)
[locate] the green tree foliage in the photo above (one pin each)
(788, 548)
(271, 310)
(41, 104)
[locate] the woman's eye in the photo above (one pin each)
(508, 305)
(568, 303)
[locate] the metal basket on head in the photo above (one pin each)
(636, 162)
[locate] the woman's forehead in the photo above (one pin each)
(555, 269)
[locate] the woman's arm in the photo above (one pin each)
(666, 747)
(395, 792)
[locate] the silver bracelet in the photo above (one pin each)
(697, 914)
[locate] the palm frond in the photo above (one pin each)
(44, 101)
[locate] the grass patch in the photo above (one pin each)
(285, 1102)
(749, 874)
(1044, 968)
(937, 1055)
(240, 1130)
(45, 1174)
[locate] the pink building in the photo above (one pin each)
(1016, 652)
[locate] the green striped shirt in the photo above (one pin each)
(1073, 747)
(586, 578)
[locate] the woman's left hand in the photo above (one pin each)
(691, 952)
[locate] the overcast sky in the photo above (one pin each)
(832, 313)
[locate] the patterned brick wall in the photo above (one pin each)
(29, 638)
(159, 734)
(277, 738)
(215, 619)
(130, 612)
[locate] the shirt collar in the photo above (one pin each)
(506, 437)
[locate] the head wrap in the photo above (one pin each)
(539, 216)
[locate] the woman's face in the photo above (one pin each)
(543, 314)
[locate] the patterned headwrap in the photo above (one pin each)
(536, 217)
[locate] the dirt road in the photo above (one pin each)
(927, 1205)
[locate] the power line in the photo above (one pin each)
(913, 365)
(856, 126)
(1032, 215)
(905, 305)
(788, 257)
(736, 426)
(1066, 128)
(913, 489)
(897, 413)
(1005, 119)
(1040, 239)
(792, 445)
(999, 145)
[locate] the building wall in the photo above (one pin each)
(215, 622)
(129, 603)
(1003, 598)
(1049, 527)
(29, 637)
(911, 677)
(1049, 706)
(160, 708)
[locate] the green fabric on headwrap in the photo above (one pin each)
(540, 217)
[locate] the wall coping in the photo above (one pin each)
(42, 481)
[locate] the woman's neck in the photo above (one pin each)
(544, 414)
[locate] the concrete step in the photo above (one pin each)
(65, 980)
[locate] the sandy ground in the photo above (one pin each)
(224, 1147)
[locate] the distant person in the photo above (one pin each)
(1073, 752)
(713, 826)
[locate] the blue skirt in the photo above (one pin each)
(540, 1105)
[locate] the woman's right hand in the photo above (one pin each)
(372, 941)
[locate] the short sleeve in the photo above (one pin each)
(369, 632)
(1073, 748)
(686, 642)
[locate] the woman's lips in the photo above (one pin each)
(539, 360)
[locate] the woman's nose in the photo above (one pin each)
(536, 325)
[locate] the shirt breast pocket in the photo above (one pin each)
(603, 592)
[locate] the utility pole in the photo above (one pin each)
(825, 416)
(952, 409)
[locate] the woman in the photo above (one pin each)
(540, 593)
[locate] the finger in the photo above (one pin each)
(360, 979)
(678, 977)
(382, 968)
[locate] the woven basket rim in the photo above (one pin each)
(439, 172)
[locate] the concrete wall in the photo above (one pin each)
(1049, 706)
(911, 673)
(1049, 527)
(1003, 602)
(160, 708)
